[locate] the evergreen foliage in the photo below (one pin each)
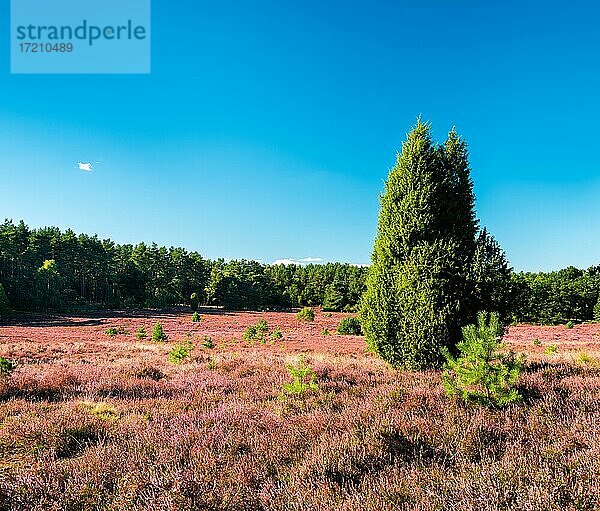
(6, 366)
(48, 286)
(158, 335)
(88, 271)
(304, 379)
(306, 314)
(556, 297)
(194, 301)
(349, 326)
(491, 277)
(4, 304)
(596, 316)
(418, 288)
(258, 332)
(482, 373)
(180, 352)
(333, 299)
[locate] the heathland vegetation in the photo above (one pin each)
(173, 409)
(307, 422)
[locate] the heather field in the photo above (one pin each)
(90, 421)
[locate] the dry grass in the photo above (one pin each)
(89, 422)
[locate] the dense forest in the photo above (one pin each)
(52, 270)
(556, 297)
(49, 270)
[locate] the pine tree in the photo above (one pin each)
(4, 304)
(158, 335)
(417, 295)
(597, 310)
(334, 297)
(49, 285)
(483, 373)
(491, 277)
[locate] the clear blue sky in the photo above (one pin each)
(266, 128)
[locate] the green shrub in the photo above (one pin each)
(180, 352)
(569, 325)
(482, 373)
(196, 317)
(325, 331)
(158, 335)
(276, 333)
(141, 333)
(6, 366)
(303, 379)
(551, 349)
(306, 314)
(349, 326)
(256, 332)
(207, 342)
(250, 333)
(262, 327)
(114, 331)
(537, 342)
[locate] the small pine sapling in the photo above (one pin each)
(262, 327)
(158, 335)
(306, 314)
(250, 333)
(482, 373)
(207, 342)
(304, 379)
(180, 352)
(6, 366)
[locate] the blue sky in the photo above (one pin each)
(266, 128)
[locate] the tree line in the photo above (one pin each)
(48, 269)
(52, 270)
(556, 297)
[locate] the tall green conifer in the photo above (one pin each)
(418, 294)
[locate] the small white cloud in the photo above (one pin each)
(312, 260)
(84, 166)
(299, 262)
(286, 262)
